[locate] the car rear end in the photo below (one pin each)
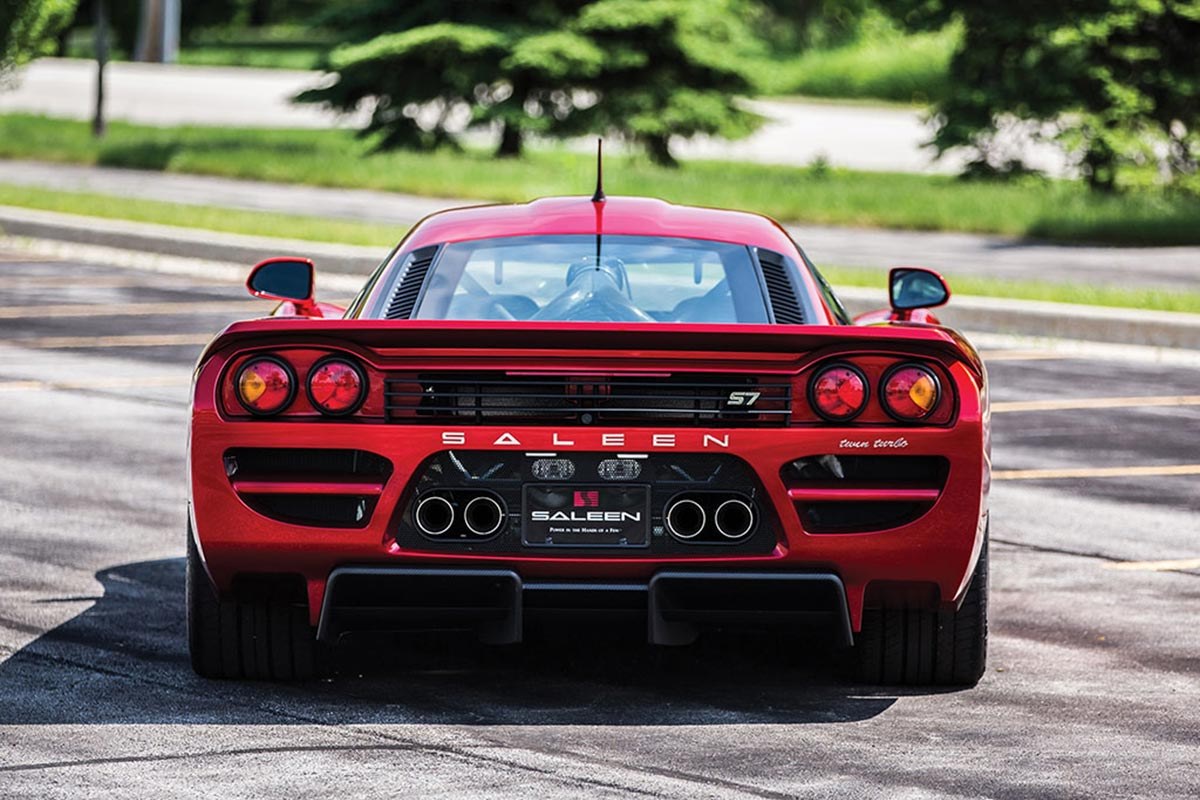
(680, 476)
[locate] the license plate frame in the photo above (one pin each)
(593, 515)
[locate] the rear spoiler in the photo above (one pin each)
(473, 336)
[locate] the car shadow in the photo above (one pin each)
(124, 660)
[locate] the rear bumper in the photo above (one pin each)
(495, 603)
(934, 553)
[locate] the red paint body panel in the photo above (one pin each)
(307, 487)
(939, 548)
(828, 494)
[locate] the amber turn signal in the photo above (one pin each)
(910, 392)
(265, 386)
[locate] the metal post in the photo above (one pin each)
(158, 31)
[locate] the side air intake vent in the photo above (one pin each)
(409, 286)
(780, 289)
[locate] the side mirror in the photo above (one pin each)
(910, 288)
(287, 279)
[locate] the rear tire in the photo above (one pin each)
(916, 647)
(261, 637)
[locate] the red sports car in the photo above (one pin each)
(583, 405)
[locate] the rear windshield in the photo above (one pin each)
(594, 279)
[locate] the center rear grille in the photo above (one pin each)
(683, 399)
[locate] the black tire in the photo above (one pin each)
(918, 647)
(265, 637)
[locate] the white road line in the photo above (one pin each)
(1095, 472)
(101, 383)
(1095, 402)
(131, 340)
(1155, 566)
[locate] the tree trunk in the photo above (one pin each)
(1100, 166)
(512, 139)
(260, 12)
(99, 124)
(659, 150)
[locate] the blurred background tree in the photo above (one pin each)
(642, 69)
(668, 68)
(1116, 81)
(446, 66)
(28, 28)
(1112, 81)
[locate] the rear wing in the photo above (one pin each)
(428, 338)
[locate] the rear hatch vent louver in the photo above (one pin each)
(784, 304)
(679, 399)
(416, 265)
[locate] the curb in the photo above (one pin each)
(170, 240)
(985, 314)
(1052, 320)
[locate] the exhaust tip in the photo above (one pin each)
(685, 519)
(483, 515)
(734, 519)
(434, 515)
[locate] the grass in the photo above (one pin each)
(1048, 209)
(217, 55)
(226, 220)
(1092, 295)
(276, 47)
(884, 66)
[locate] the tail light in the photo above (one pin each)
(910, 392)
(265, 386)
(336, 387)
(838, 392)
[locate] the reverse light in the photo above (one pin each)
(910, 392)
(336, 387)
(265, 386)
(838, 393)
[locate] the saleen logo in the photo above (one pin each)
(586, 516)
(585, 440)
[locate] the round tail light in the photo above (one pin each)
(336, 387)
(910, 392)
(838, 393)
(265, 385)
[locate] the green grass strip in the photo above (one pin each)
(1060, 210)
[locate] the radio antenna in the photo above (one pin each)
(598, 197)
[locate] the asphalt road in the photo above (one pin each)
(861, 137)
(1092, 690)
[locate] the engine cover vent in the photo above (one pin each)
(408, 288)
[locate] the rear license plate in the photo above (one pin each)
(585, 516)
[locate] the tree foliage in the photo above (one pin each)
(28, 28)
(1117, 81)
(643, 69)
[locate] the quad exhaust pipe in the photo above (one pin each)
(459, 513)
(709, 517)
(734, 518)
(434, 515)
(686, 518)
(483, 515)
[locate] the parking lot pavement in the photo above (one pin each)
(1092, 689)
